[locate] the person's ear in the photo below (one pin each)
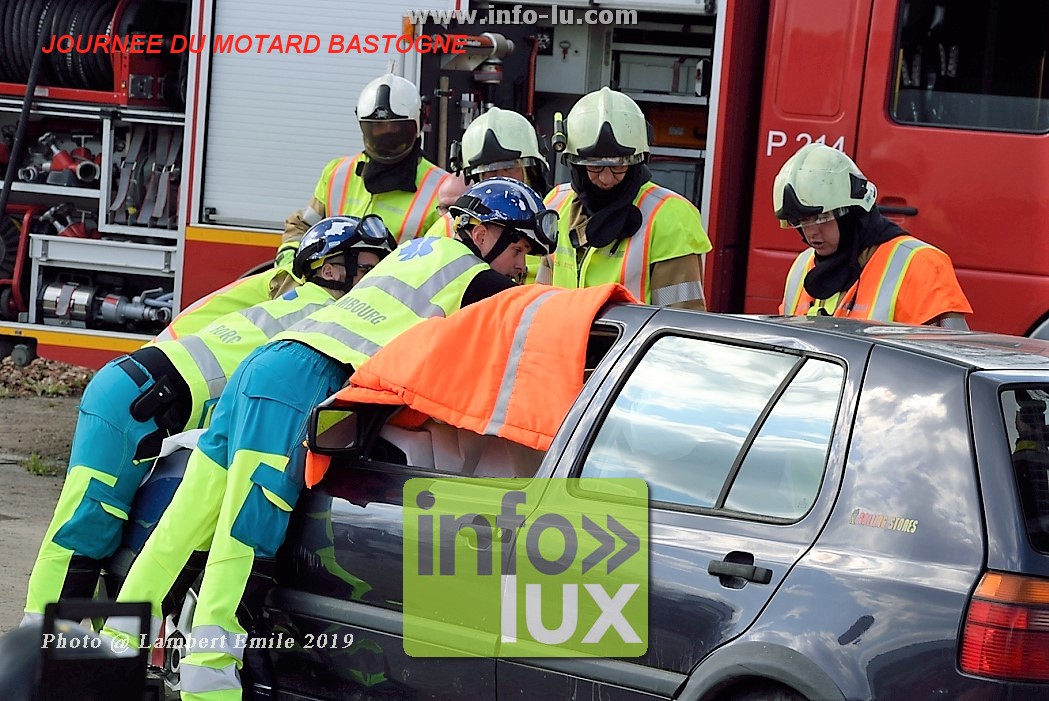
(478, 234)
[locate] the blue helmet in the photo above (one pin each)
(513, 205)
(342, 234)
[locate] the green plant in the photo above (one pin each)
(37, 465)
(48, 388)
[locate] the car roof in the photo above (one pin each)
(975, 349)
(972, 349)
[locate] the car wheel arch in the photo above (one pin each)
(749, 662)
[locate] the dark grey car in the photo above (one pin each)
(838, 510)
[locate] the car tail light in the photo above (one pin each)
(1006, 632)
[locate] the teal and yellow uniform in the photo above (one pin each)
(245, 475)
(128, 408)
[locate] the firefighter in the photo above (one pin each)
(390, 177)
(499, 143)
(245, 475)
(137, 400)
(615, 224)
(858, 263)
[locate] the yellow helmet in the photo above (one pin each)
(497, 140)
(815, 183)
(606, 128)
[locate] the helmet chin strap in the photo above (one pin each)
(501, 245)
(344, 285)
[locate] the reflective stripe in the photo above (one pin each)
(131, 627)
(634, 272)
(561, 193)
(796, 282)
(343, 335)
(339, 183)
(884, 306)
(422, 204)
(310, 216)
(207, 364)
(955, 322)
(506, 387)
(557, 198)
(31, 618)
(418, 299)
(194, 679)
(270, 325)
(218, 640)
(681, 292)
(168, 333)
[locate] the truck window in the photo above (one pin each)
(972, 64)
(714, 426)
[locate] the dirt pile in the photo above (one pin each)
(42, 378)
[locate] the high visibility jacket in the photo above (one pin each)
(422, 278)
(670, 228)
(443, 227)
(406, 214)
(206, 360)
(514, 366)
(905, 280)
(239, 294)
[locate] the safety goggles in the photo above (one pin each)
(543, 225)
(821, 218)
(372, 230)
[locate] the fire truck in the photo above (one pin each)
(147, 173)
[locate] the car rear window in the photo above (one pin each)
(1026, 421)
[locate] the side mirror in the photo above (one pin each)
(334, 431)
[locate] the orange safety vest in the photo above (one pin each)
(906, 280)
(520, 375)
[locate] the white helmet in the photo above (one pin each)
(497, 140)
(389, 100)
(816, 183)
(606, 128)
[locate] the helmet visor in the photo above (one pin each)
(521, 163)
(388, 140)
(821, 218)
(633, 159)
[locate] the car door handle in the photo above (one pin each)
(751, 573)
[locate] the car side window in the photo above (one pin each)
(715, 426)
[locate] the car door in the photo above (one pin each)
(343, 577)
(740, 435)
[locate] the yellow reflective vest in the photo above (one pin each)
(406, 214)
(239, 294)
(206, 359)
(423, 278)
(670, 228)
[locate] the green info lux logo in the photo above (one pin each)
(525, 568)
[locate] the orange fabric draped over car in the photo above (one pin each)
(508, 366)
